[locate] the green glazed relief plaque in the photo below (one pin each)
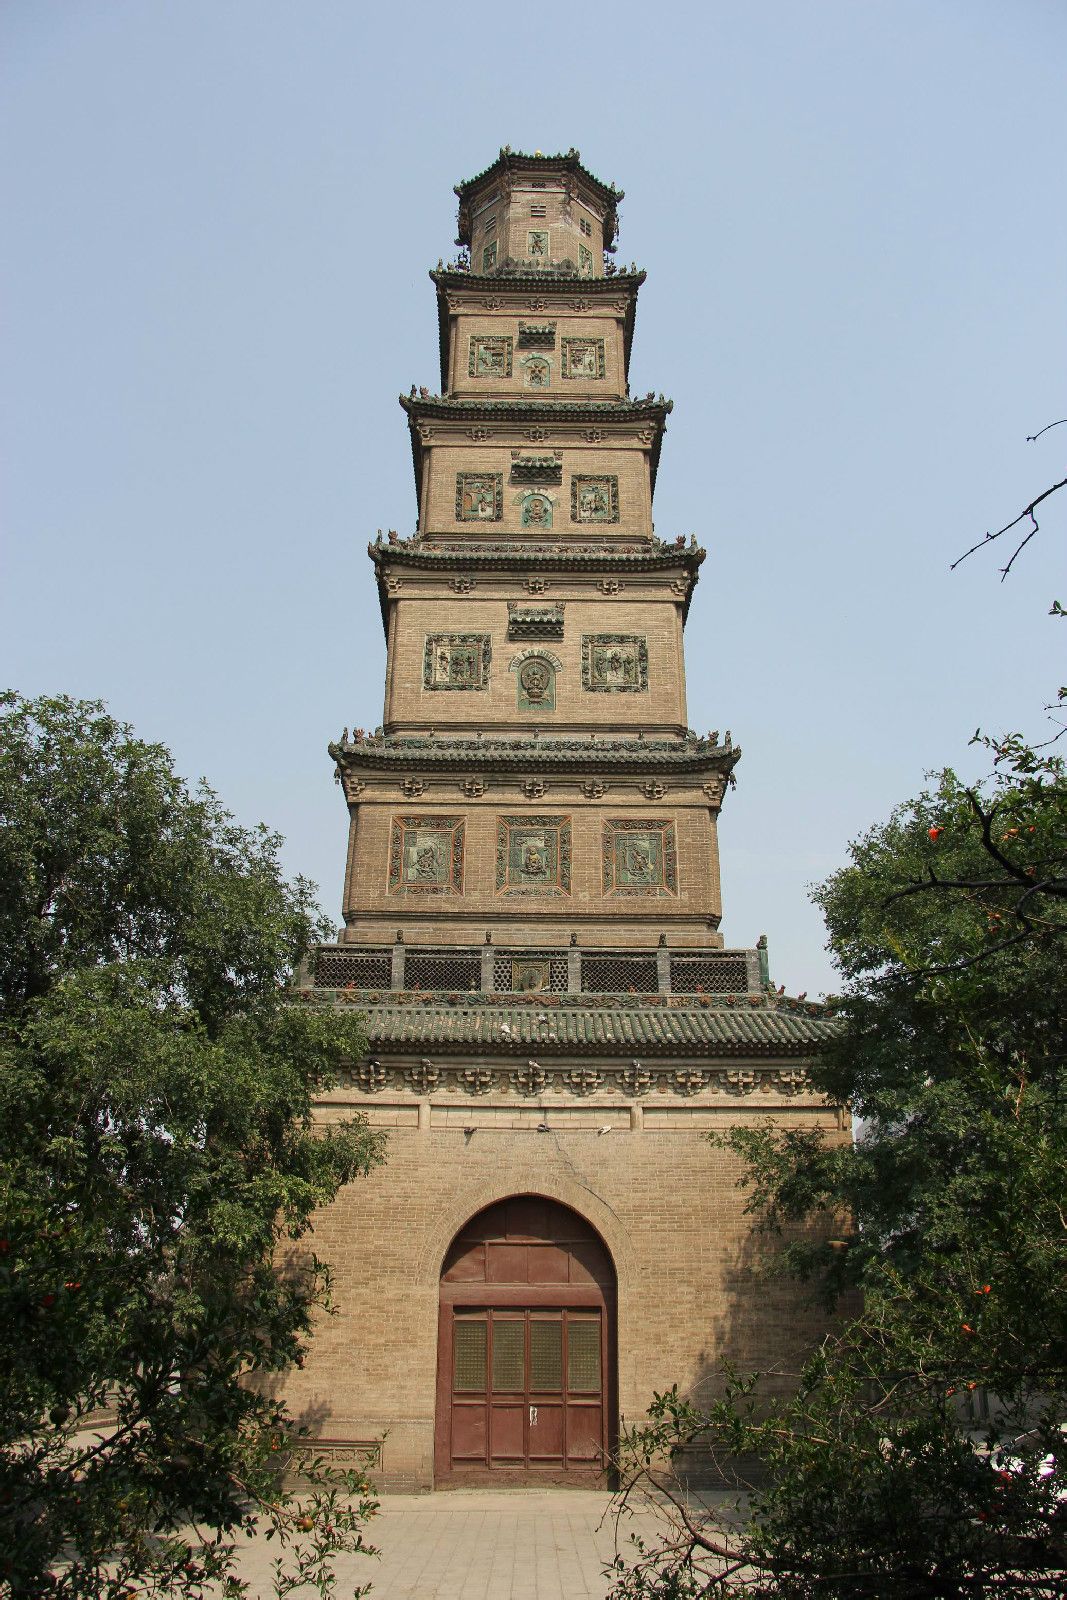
(595, 499)
(457, 661)
(640, 858)
(426, 855)
(479, 496)
(533, 855)
(536, 678)
(582, 358)
(490, 356)
(614, 663)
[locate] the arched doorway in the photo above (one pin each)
(526, 1348)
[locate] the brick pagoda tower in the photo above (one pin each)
(532, 903)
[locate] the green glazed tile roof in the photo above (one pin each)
(690, 755)
(747, 1029)
(563, 161)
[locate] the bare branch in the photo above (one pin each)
(1030, 437)
(1028, 511)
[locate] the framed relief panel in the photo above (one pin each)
(489, 257)
(537, 244)
(426, 855)
(489, 356)
(582, 358)
(479, 496)
(595, 499)
(614, 663)
(535, 680)
(533, 855)
(457, 661)
(640, 857)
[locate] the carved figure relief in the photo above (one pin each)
(479, 496)
(537, 244)
(536, 683)
(595, 499)
(426, 855)
(640, 857)
(489, 257)
(582, 358)
(490, 356)
(585, 262)
(535, 509)
(533, 855)
(456, 661)
(530, 977)
(536, 372)
(614, 663)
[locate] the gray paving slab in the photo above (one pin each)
(500, 1544)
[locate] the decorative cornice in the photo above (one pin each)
(389, 753)
(476, 554)
(532, 1080)
(656, 408)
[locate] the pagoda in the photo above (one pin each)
(532, 903)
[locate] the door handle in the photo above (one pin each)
(533, 1416)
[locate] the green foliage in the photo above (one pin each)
(876, 1477)
(157, 1165)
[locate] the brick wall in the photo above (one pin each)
(665, 1202)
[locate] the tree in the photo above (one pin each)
(156, 1158)
(949, 928)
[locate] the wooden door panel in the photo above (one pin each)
(547, 1263)
(585, 1432)
(546, 1431)
(505, 1263)
(468, 1431)
(507, 1433)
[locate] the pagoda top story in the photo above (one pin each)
(578, 212)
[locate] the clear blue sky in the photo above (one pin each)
(218, 221)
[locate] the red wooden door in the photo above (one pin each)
(526, 1348)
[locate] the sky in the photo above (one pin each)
(219, 216)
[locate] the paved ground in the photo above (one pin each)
(479, 1545)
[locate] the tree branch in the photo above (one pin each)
(1027, 511)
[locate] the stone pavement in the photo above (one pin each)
(466, 1544)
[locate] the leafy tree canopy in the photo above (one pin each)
(948, 925)
(156, 1155)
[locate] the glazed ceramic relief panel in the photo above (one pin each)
(426, 855)
(533, 855)
(595, 498)
(456, 661)
(614, 663)
(490, 356)
(640, 857)
(535, 681)
(479, 496)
